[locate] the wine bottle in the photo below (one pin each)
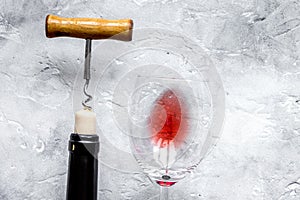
(83, 167)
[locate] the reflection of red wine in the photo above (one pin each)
(165, 183)
(167, 123)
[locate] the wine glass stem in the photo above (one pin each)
(164, 193)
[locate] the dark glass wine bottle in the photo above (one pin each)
(83, 167)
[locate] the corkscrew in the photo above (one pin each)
(88, 29)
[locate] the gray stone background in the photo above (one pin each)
(255, 46)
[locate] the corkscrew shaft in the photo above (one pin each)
(87, 61)
(87, 73)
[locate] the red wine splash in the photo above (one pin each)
(167, 124)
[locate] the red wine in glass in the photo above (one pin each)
(167, 126)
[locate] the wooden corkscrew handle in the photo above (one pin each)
(89, 28)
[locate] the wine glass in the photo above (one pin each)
(170, 121)
(134, 112)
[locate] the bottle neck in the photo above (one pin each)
(83, 167)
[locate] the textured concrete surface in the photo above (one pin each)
(255, 46)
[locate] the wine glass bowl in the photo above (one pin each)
(167, 132)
